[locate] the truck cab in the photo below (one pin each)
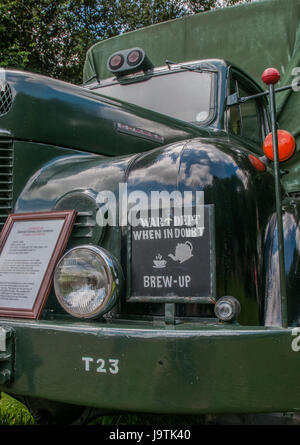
(196, 92)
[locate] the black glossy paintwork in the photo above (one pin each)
(243, 200)
(291, 223)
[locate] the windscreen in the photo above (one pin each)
(184, 95)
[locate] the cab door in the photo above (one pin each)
(247, 121)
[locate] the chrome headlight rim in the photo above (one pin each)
(114, 275)
(234, 305)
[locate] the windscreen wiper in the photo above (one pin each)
(197, 69)
(91, 78)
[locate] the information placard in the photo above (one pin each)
(30, 246)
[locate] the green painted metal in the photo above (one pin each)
(190, 368)
(252, 36)
(163, 358)
(235, 275)
(30, 157)
(58, 113)
(46, 173)
(278, 194)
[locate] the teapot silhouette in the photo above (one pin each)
(183, 252)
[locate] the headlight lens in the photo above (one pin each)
(87, 281)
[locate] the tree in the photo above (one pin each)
(52, 36)
(197, 6)
(11, 50)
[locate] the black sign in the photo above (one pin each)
(172, 261)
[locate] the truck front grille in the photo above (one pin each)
(6, 178)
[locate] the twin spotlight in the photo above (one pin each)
(129, 61)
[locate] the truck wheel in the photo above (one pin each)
(47, 412)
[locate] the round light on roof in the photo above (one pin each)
(134, 57)
(87, 281)
(116, 61)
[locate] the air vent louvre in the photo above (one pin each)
(6, 97)
(85, 230)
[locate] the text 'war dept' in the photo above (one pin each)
(166, 259)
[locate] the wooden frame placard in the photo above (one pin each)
(30, 246)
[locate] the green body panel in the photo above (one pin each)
(167, 168)
(30, 157)
(57, 113)
(252, 36)
(193, 368)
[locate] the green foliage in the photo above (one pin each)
(52, 37)
(149, 419)
(49, 36)
(197, 6)
(13, 412)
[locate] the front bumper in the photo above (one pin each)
(159, 369)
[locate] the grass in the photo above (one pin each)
(13, 412)
(148, 419)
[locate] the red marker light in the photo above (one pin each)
(286, 146)
(270, 76)
(257, 163)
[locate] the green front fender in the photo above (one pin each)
(184, 369)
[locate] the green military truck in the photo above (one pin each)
(111, 301)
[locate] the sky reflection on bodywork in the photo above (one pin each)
(59, 176)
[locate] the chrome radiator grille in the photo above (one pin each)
(6, 178)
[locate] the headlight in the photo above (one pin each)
(227, 309)
(87, 281)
